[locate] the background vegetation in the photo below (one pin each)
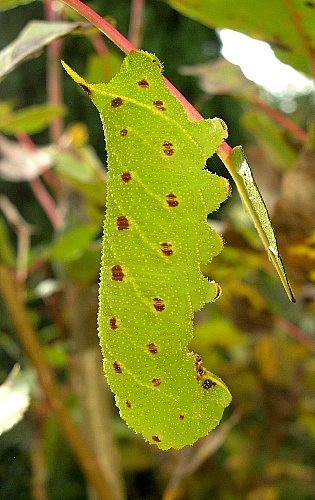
(71, 443)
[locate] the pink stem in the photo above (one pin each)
(295, 333)
(134, 34)
(126, 47)
(41, 193)
(101, 24)
(287, 124)
(47, 203)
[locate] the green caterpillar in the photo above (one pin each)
(156, 237)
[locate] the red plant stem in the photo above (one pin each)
(29, 340)
(287, 124)
(46, 202)
(126, 47)
(135, 27)
(295, 333)
(101, 24)
(99, 44)
(192, 113)
(54, 87)
(38, 188)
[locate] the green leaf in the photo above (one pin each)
(32, 119)
(10, 4)
(31, 41)
(252, 200)
(155, 240)
(287, 26)
(7, 255)
(271, 139)
(73, 243)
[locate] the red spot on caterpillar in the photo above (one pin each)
(156, 439)
(158, 304)
(197, 358)
(156, 381)
(152, 348)
(122, 223)
(128, 404)
(198, 368)
(115, 103)
(223, 125)
(117, 367)
(228, 186)
(171, 200)
(86, 88)
(166, 248)
(200, 371)
(181, 417)
(113, 324)
(158, 64)
(168, 148)
(208, 383)
(218, 291)
(159, 105)
(123, 132)
(117, 273)
(144, 84)
(126, 176)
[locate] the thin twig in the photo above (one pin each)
(296, 333)
(28, 339)
(135, 27)
(23, 230)
(280, 118)
(194, 457)
(44, 198)
(54, 87)
(126, 47)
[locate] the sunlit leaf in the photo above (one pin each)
(14, 398)
(21, 164)
(287, 26)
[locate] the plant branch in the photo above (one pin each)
(135, 27)
(28, 339)
(280, 118)
(126, 47)
(295, 333)
(101, 24)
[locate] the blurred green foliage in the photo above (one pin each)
(261, 345)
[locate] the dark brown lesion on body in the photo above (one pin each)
(117, 273)
(156, 439)
(168, 148)
(113, 323)
(158, 304)
(126, 176)
(171, 200)
(122, 223)
(115, 103)
(156, 381)
(117, 368)
(144, 84)
(152, 348)
(159, 105)
(166, 248)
